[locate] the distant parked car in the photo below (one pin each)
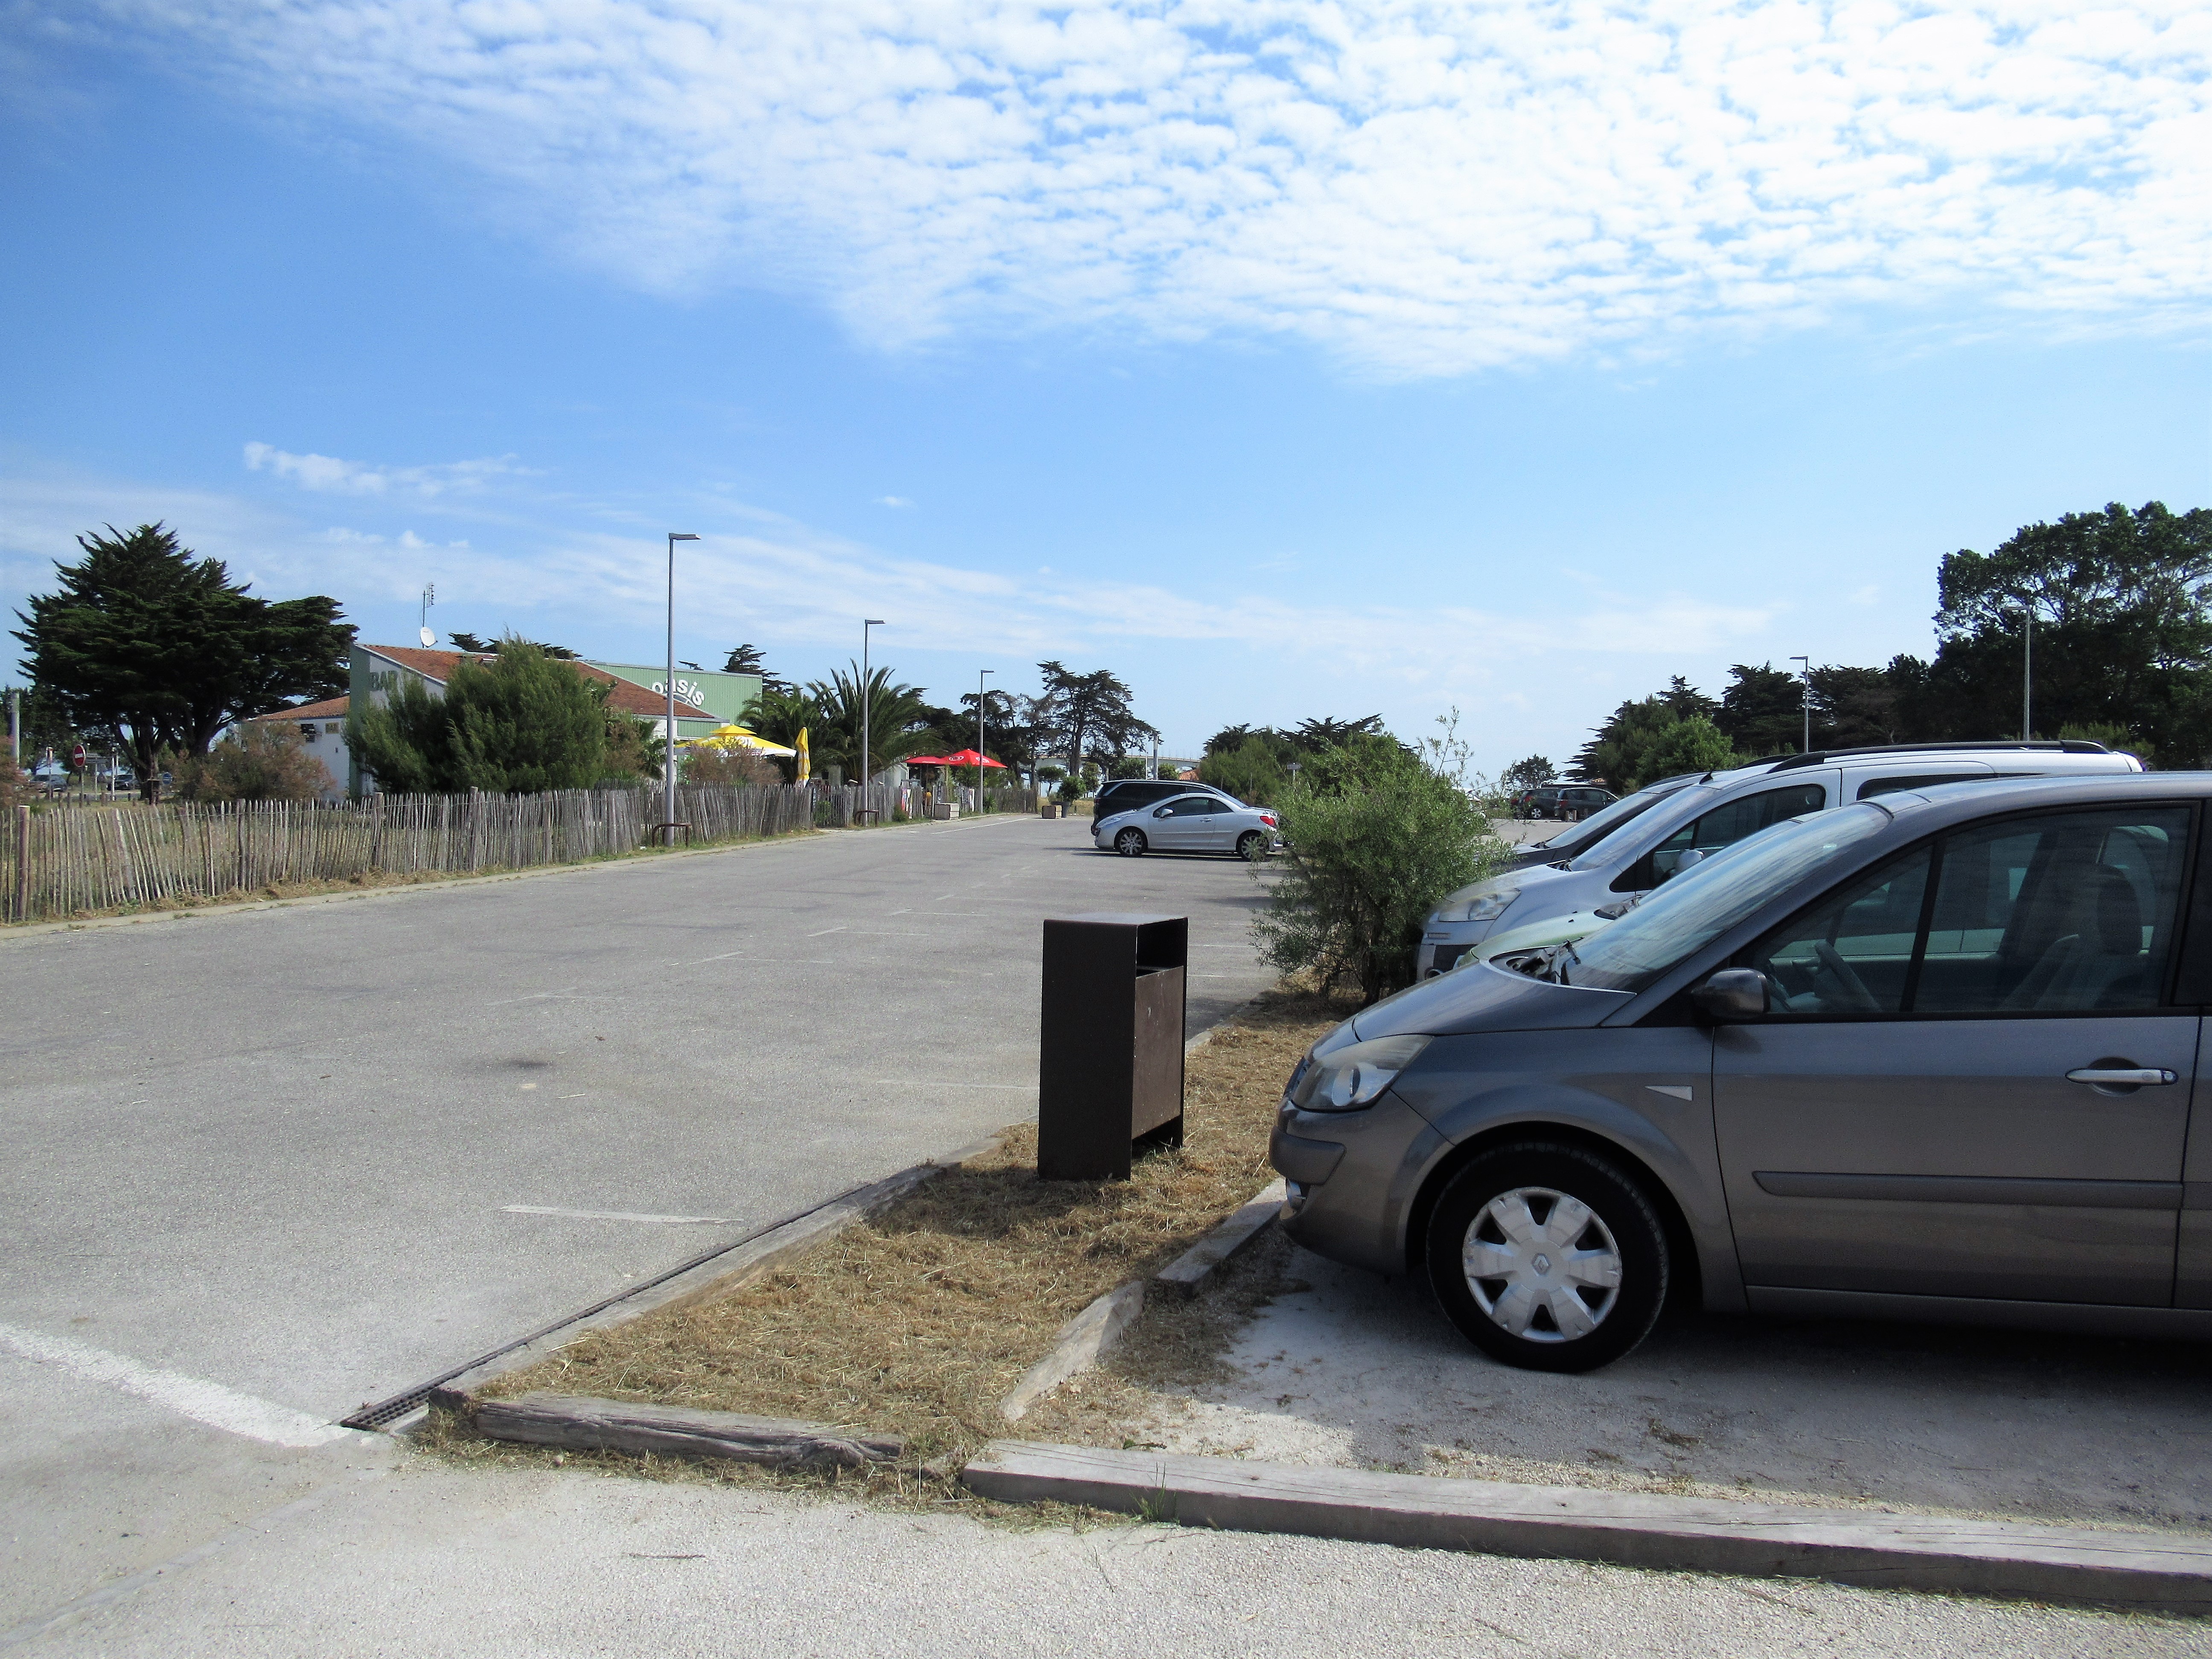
(1924, 1054)
(1207, 822)
(1568, 801)
(1127, 794)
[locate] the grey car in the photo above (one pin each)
(1206, 821)
(1927, 1056)
(1688, 825)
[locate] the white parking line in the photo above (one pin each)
(839, 929)
(202, 1402)
(619, 1215)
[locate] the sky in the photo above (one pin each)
(1289, 360)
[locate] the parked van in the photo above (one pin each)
(1699, 818)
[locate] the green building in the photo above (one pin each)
(725, 696)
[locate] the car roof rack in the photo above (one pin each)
(2048, 746)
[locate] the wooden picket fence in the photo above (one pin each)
(73, 858)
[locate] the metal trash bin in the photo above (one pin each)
(1109, 1065)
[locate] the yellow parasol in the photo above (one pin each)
(805, 759)
(736, 736)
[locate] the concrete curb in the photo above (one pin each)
(1187, 1272)
(2136, 1570)
(1092, 1335)
(1083, 1342)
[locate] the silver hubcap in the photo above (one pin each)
(1542, 1265)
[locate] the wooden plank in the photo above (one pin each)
(1951, 1554)
(1183, 1275)
(581, 1423)
(1082, 1342)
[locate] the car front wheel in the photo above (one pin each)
(1130, 843)
(1549, 1257)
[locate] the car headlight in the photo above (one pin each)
(1483, 906)
(1346, 1079)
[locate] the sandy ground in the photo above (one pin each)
(1346, 1369)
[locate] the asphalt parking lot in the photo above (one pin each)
(1347, 1369)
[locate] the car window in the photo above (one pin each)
(1727, 824)
(2063, 912)
(1853, 952)
(2068, 912)
(1210, 804)
(1190, 807)
(1873, 786)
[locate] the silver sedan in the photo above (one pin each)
(1189, 823)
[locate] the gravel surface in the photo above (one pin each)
(1344, 1368)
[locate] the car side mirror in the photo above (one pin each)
(1695, 855)
(1159, 812)
(1732, 994)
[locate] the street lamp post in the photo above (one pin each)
(1805, 700)
(979, 739)
(2027, 673)
(668, 772)
(866, 697)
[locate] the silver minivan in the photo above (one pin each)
(1928, 1055)
(1688, 823)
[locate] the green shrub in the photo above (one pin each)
(262, 760)
(1251, 772)
(16, 789)
(1377, 836)
(1693, 744)
(525, 724)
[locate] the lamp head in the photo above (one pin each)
(682, 536)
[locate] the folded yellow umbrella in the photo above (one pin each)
(735, 736)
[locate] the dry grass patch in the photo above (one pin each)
(919, 1322)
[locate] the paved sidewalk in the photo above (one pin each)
(432, 1562)
(265, 1165)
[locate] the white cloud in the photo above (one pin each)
(329, 473)
(592, 579)
(893, 501)
(1424, 186)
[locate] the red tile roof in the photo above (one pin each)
(329, 709)
(627, 697)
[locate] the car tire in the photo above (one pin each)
(1251, 847)
(1539, 1308)
(1130, 843)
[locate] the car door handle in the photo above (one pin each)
(2111, 1077)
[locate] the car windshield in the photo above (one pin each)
(1594, 829)
(1685, 916)
(1676, 806)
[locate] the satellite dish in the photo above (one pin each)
(430, 636)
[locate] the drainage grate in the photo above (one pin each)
(385, 1412)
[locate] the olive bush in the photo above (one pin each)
(1376, 834)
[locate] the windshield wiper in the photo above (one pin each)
(1559, 963)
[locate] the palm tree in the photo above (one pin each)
(897, 719)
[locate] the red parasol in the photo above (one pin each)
(969, 758)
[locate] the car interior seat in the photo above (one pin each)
(2098, 960)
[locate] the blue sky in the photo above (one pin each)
(1289, 360)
